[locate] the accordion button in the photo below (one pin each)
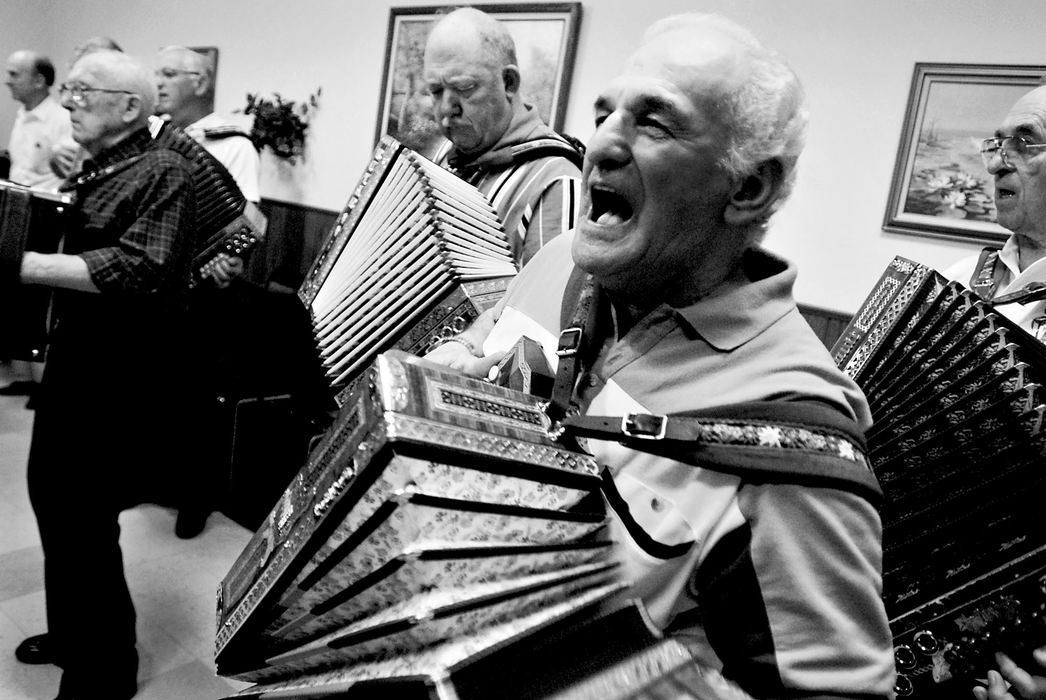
(904, 657)
(926, 642)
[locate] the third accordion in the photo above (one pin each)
(957, 444)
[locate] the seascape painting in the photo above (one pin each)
(941, 186)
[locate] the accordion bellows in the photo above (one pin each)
(434, 518)
(415, 255)
(958, 445)
(225, 221)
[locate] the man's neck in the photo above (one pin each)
(1029, 251)
(190, 115)
(34, 101)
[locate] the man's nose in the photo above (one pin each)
(450, 103)
(609, 144)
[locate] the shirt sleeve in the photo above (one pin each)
(813, 565)
(152, 250)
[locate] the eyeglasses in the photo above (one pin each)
(169, 73)
(78, 93)
(1011, 149)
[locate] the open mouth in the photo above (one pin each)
(607, 206)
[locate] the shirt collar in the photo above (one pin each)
(731, 319)
(37, 112)
(132, 145)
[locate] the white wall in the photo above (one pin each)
(855, 57)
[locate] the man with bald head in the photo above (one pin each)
(496, 141)
(1015, 158)
(40, 123)
(743, 510)
(109, 404)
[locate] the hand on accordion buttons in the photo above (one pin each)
(225, 269)
(1011, 681)
(457, 355)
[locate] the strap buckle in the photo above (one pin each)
(644, 426)
(569, 342)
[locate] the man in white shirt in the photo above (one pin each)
(40, 123)
(39, 126)
(185, 92)
(1016, 158)
(185, 98)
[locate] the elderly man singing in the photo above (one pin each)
(767, 568)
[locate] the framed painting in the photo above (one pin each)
(940, 186)
(545, 35)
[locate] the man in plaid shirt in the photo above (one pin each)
(108, 407)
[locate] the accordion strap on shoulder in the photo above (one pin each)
(567, 147)
(801, 442)
(987, 275)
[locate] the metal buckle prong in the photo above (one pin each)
(644, 426)
(569, 342)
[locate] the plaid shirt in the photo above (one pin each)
(132, 223)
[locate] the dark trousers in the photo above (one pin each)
(105, 437)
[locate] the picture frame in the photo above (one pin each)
(545, 35)
(940, 187)
(212, 53)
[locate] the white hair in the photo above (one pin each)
(767, 118)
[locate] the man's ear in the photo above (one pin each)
(510, 74)
(203, 85)
(133, 109)
(754, 195)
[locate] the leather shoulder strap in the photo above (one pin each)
(799, 442)
(987, 274)
(566, 146)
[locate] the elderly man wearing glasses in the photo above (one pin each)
(1012, 278)
(108, 406)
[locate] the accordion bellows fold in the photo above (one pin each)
(411, 235)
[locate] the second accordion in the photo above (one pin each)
(958, 443)
(414, 257)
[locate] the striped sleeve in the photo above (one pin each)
(555, 212)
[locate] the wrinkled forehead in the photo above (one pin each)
(84, 72)
(1027, 116)
(180, 59)
(446, 57)
(17, 64)
(699, 64)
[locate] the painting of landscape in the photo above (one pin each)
(941, 186)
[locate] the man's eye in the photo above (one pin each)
(652, 125)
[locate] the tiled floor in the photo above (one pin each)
(173, 583)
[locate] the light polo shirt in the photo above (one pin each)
(34, 134)
(810, 559)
